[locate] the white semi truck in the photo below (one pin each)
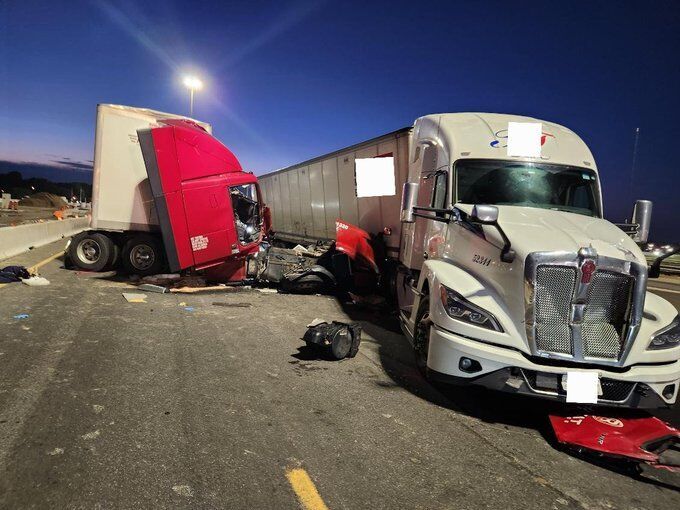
(506, 274)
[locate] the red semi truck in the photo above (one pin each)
(167, 194)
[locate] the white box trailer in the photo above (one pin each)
(121, 196)
(307, 198)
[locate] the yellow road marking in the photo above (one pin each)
(305, 489)
(34, 268)
(40, 264)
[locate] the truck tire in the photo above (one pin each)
(91, 251)
(421, 335)
(143, 255)
(115, 256)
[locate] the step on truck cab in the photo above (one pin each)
(507, 276)
(167, 195)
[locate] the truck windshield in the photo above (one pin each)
(557, 187)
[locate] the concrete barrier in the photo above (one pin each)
(16, 240)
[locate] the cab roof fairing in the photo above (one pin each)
(470, 136)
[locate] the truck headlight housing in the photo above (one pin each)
(460, 309)
(667, 337)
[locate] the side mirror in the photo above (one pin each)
(488, 215)
(484, 213)
(409, 196)
(642, 217)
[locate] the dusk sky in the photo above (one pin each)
(286, 81)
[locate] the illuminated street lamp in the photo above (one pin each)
(193, 84)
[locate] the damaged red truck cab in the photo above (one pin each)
(167, 195)
(208, 207)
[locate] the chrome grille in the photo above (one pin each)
(606, 314)
(554, 292)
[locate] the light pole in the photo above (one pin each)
(193, 84)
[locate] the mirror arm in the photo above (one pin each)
(655, 269)
(417, 211)
(507, 253)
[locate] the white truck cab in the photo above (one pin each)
(510, 277)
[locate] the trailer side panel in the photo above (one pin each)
(307, 198)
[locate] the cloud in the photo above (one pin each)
(68, 162)
(52, 172)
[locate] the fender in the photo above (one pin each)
(445, 272)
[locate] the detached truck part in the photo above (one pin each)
(166, 193)
(506, 274)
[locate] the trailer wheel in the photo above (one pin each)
(115, 255)
(91, 251)
(143, 255)
(421, 336)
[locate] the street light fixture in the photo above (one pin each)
(193, 84)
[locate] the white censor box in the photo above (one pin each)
(375, 177)
(524, 139)
(582, 387)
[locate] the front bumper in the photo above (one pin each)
(503, 369)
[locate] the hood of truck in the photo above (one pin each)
(532, 229)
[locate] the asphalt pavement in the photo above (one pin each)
(178, 402)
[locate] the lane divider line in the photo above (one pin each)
(34, 268)
(305, 490)
(49, 259)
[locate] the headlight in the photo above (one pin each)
(460, 309)
(667, 337)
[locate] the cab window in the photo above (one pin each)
(439, 190)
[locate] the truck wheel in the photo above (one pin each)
(142, 255)
(91, 251)
(115, 256)
(421, 336)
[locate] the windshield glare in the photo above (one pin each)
(558, 187)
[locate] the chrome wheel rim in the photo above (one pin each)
(88, 251)
(142, 257)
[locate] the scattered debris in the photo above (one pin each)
(183, 490)
(194, 290)
(150, 287)
(56, 451)
(182, 304)
(133, 297)
(97, 408)
(342, 339)
(316, 322)
(267, 290)
(189, 308)
(643, 439)
(91, 435)
(232, 305)
(299, 250)
(21, 316)
(371, 300)
(12, 274)
(35, 281)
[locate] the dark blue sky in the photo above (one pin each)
(286, 81)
